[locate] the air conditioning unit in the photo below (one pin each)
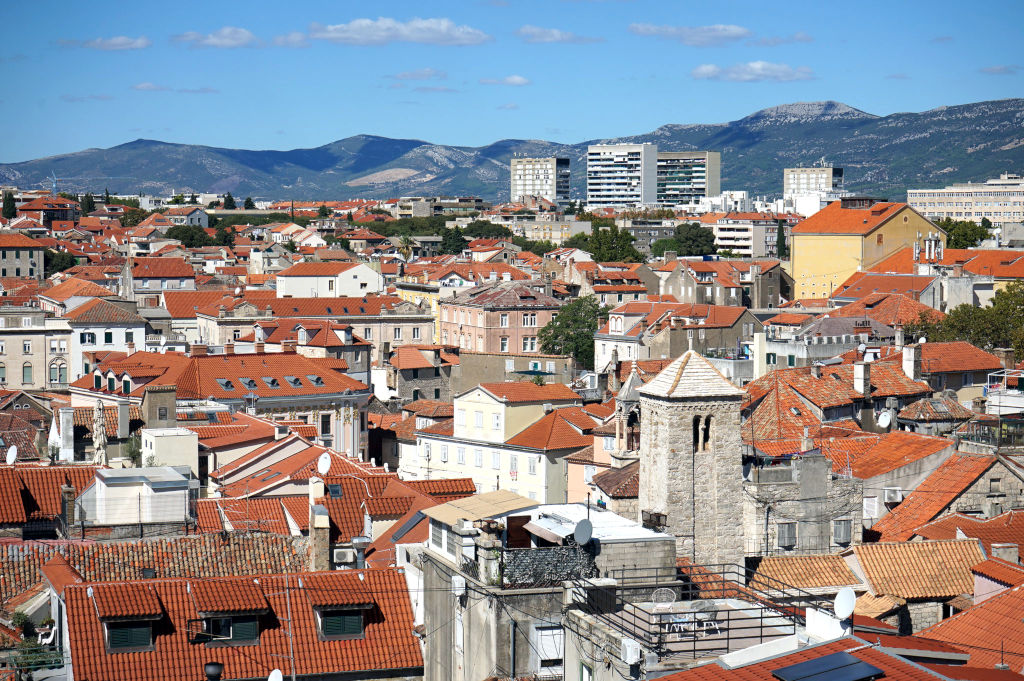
(342, 556)
(458, 585)
(630, 652)
(892, 495)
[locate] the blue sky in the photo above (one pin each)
(283, 75)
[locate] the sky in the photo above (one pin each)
(285, 75)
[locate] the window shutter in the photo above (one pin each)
(245, 629)
(342, 623)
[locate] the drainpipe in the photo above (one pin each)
(511, 646)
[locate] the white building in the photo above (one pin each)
(100, 325)
(811, 180)
(621, 175)
(1000, 200)
(686, 177)
(544, 177)
(328, 280)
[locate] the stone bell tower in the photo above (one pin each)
(691, 470)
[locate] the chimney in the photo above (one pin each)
(259, 347)
(1007, 357)
(862, 378)
(229, 348)
(1007, 551)
(900, 337)
(958, 270)
(67, 496)
(547, 285)
(317, 489)
(671, 255)
(319, 538)
(806, 443)
(131, 349)
(67, 434)
(912, 361)
(122, 419)
(288, 346)
(816, 370)
(197, 350)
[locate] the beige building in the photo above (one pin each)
(999, 200)
(813, 180)
(34, 350)
(547, 178)
(686, 177)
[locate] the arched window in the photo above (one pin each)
(26, 373)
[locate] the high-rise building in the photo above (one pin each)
(545, 177)
(999, 200)
(818, 179)
(621, 175)
(686, 177)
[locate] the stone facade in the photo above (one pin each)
(691, 471)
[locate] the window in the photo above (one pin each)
(161, 413)
(549, 649)
(770, 358)
(504, 344)
(551, 367)
(235, 334)
(26, 373)
(325, 424)
(995, 486)
(787, 535)
(129, 336)
(460, 417)
(97, 382)
(111, 383)
(529, 344)
(460, 455)
(108, 337)
(3, 348)
(609, 443)
(436, 534)
(503, 320)
(126, 386)
(129, 635)
(842, 529)
(478, 456)
(478, 417)
(879, 240)
(531, 465)
(496, 460)
(341, 624)
(513, 462)
(444, 453)
(233, 629)
(529, 319)
(415, 333)
(510, 365)
(26, 347)
(398, 333)
(496, 422)
(367, 333)
(791, 360)
(426, 451)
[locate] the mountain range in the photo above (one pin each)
(882, 155)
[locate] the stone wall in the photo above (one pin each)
(691, 470)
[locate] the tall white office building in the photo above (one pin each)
(819, 179)
(685, 178)
(547, 178)
(1000, 200)
(621, 175)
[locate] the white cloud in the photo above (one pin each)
(774, 41)
(228, 37)
(1001, 70)
(511, 106)
(751, 72)
(514, 80)
(385, 30)
(536, 34)
(694, 36)
(149, 87)
(420, 74)
(434, 88)
(121, 42)
(292, 39)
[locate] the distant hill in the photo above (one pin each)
(883, 155)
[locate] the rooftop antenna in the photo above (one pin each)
(12, 454)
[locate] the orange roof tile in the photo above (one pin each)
(1007, 527)
(526, 391)
(991, 630)
(999, 570)
(124, 601)
(834, 219)
(896, 449)
(889, 309)
(926, 569)
(223, 596)
(803, 572)
(564, 428)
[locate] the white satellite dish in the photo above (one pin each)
(922, 339)
(884, 419)
(238, 290)
(584, 532)
(12, 454)
(323, 464)
(844, 603)
(275, 675)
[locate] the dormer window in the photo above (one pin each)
(340, 624)
(111, 383)
(315, 380)
(129, 637)
(294, 381)
(97, 382)
(271, 382)
(230, 630)
(126, 386)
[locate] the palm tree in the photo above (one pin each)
(405, 247)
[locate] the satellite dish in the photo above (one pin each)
(922, 339)
(884, 419)
(275, 675)
(861, 348)
(238, 290)
(323, 464)
(584, 532)
(844, 603)
(12, 454)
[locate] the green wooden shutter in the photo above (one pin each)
(245, 629)
(342, 623)
(129, 635)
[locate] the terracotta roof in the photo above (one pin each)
(75, 287)
(444, 490)
(925, 569)
(504, 295)
(162, 268)
(525, 391)
(119, 600)
(620, 483)
(184, 304)
(690, 375)
(999, 570)
(38, 489)
(936, 409)
(102, 312)
(430, 408)
(888, 308)
(84, 417)
(387, 642)
(834, 219)
(1007, 527)
(862, 284)
(932, 496)
(896, 449)
(991, 630)
(804, 572)
(317, 269)
(564, 428)
(251, 514)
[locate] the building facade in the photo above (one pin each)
(547, 178)
(1000, 200)
(33, 350)
(686, 177)
(813, 180)
(621, 175)
(503, 317)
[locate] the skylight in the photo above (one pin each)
(315, 380)
(294, 381)
(226, 384)
(271, 382)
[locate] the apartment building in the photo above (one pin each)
(686, 177)
(33, 350)
(501, 317)
(547, 178)
(750, 235)
(621, 175)
(1000, 200)
(815, 179)
(20, 256)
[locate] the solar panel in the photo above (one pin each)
(407, 525)
(835, 667)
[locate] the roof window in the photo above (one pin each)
(315, 380)
(225, 384)
(271, 382)
(294, 381)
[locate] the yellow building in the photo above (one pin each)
(852, 235)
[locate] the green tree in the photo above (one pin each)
(483, 229)
(213, 204)
(133, 450)
(693, 239)
(177, 199)
(290, 246)
(57, 261)
(224, 236)
(405, 247)
(964, 233)
(106, 196)
(229, 202)
(570, 208)
(133, 216)
(572, 331)
(452, 241)
(613, 245)
(9, 210)
(323, 211)
(193, 199)
(249, 204)
(88, 204)
(999, 325)
(781, 248)
(190, 236)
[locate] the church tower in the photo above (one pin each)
(691, 469)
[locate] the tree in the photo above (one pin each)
(133, 216)
(193, 199)
(571, 208)
(213, 204)
(482, 229)
(1000, 325)
(133, 450)
(613, 245)
(225, 236)
(452, 241)
(9, 210)
(290, 246)
(177, 199)
(781, 247)
(693, 239)
(57, 261)
(229, 202)
(88, 204)
(323, 211)
(964, 233)
(249, 204)
(190, 236)
(572, 331)
(106, 196)
(405, 247)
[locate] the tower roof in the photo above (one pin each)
(691, 375)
